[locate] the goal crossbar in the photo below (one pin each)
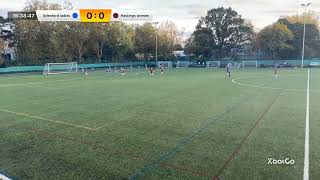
(60, 68)
(166, 64)
(182, 64)
(213, 64)
(252, 64)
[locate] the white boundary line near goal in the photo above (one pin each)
(39, 82)
(306, 141)
(46, 82)
(43, 87)
(50, 120)
(266, 87)
(2, 177)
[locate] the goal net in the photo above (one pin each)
(213, 64)
(165, 64)
(60, 68)
(182, 64)
(249, 64)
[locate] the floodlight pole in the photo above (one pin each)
(304, 32)
(155, 23)
(156, 47)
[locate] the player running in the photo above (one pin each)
(123, 72)
(228, 69)
(161, 69)
(108, 71)
(151, 70)
(275, 70)
(86, 72)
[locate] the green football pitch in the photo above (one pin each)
(185, 124)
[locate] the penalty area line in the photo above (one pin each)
(306, 141)
(46, 119)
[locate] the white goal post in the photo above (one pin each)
(213, 64)
(60, 68)
(182, 64)
(165, 64)
(249, 64)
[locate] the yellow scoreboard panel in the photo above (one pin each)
(95, 15)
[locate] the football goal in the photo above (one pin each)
(60, 68)
(182, 64)
(249, 64)
(213, 64)
(166, 64)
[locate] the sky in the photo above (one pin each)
(186, 13)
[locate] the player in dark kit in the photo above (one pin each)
(275, 70)
(228, 69)
(151, 70)
(108, 71)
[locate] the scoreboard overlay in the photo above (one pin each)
(83, 15)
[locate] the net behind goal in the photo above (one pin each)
(213, 64)
(165, 64)
(60, 68)
(182, 64)
(249, 64)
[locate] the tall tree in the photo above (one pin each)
(275, 39)
(34, 39)
(98, 38)
(119, 42)
(145, 40)
(32, 5)
(312, 41)
(201, 43)
(2, 46)
(169, 38)
(225, 28)
(78, 39)
(310, 17)
(6, 29)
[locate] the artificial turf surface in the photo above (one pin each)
(186, 124)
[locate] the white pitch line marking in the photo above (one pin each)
(46, 82)
(4, 177)
(39, 82)
(43, 87)
(265, 87)
(46, 119)
(306, 140)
